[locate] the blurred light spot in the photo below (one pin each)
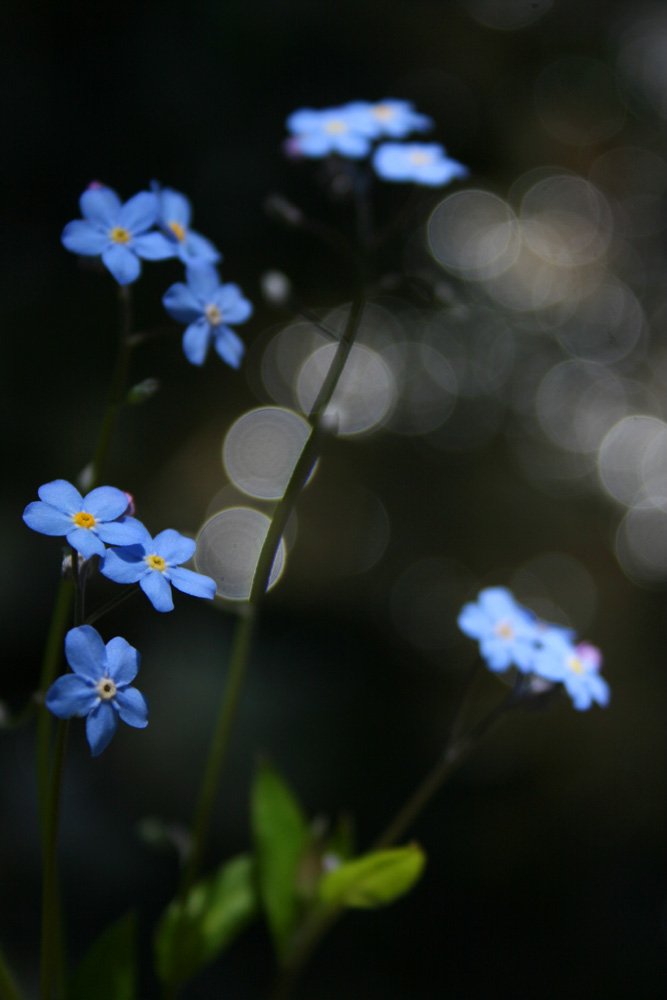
(642, 60)
(284, 356)
(474, 233)
(558, 588)
(261, 449)
(507, 14)
(577, 100)
(230, 496)
(635, 181)
(365, 392)
(641, 542)
(426, 600)
(622, 456)
(382, 322)
(228, 547)
(607, 324)
(577, 404)
(566, 220)
(426, 387)
(533, 283)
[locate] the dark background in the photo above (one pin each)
(547, 867)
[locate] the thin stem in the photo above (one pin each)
(110, 605)
(50, 918)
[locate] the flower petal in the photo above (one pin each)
(231, 303)
(124, 565)
(132, 707)
(154, 246)
(62, 495)
(101, 206)
(84, 238)
(70, 695)
(203, 279)
(101, 724)
(139, 213)
(157, 590)
(196, 340)
(85, 541)
(174, 207)
(105, 503)
(123, 532)
(122, 661)
(199, 248)
(122, 263)
(173, 547)
(181, 304)
(230, 347)
(46, 519)
(85, 652)
(195, 584)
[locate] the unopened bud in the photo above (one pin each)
(142, 391)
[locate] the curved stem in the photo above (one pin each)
(110, 605)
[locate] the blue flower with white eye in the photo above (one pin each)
(155, 566)
(175, 214)
(389, 117)
(99, 686)
(87, 522)
(118, 233)
(575, 666)
(208, 307)
(332, 130)
(419, 162)
(507, 632)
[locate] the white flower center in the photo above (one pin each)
(106, 689)
(213, 314)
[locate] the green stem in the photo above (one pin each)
(110, 605)
(50, 917)
(8, 988)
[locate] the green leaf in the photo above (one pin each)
(374, 879)
(281, 836)
(215, 911)
(108, 970)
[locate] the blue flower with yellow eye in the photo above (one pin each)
(332, 130)
(507, 633)
(175, 214)
(99, 687)
(419, 162)
(389, 117)
(575, 665)
(208, 307)
(117, 232)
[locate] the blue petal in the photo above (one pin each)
(70, 695)
(85, 652)
(124, 565)
(100, 206)
(174, 207)
(122, 532)
(122, 263)
(46, 519)
(154, 246)
(196, 340)
(101, 724)
(139, 213)
(122, 661)
(132, 707)
(105, 503)
(232, 305)
(157, 590)
(181, 304)
(85, 541)
(62, 495)
(203, 279)
(230, 347)
(84, 238)
(198, 247)
(195, 584)
(173, 547)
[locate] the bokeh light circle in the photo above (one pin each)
(623, 455)
(365, 392)
(228, 547)
(474, 233)
(261, 449)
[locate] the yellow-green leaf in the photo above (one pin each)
(374, 879)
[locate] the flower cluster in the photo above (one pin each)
(155, 225)
(511, 635)
(351, 129)
(99, 688)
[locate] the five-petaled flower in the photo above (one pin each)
(175, 213)
(332, 130)
(422, 163)
(389, 117)
(208, 307)
(87, 522)
(118, 232)
(575, 665)
(506, 631)
(155, 564)
(99, 687)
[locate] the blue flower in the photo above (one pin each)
(507, 632)
(207, 307)
(387, 118)
(175, 213)
(99, 687)
(576, 666)
(422, 163)
(118, 233)
(154, 565)
(87, 522)
(333, 130)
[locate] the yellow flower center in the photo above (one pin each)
(383, 112)
(504, 631)
(156, 562)
(575, 665)
(420, 159)
(106, 689)
(213, 314)
(120, 235)
(335, 126)
(84, 520)
(178, 230)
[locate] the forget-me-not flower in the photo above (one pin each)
(155, 565)
(506, 631)
(87, 522)
(208, 307)
(118, 233)
(575, 665)
(389, 117)
(421, 163)
(99, 687)
(175, 214)
(332, 130)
